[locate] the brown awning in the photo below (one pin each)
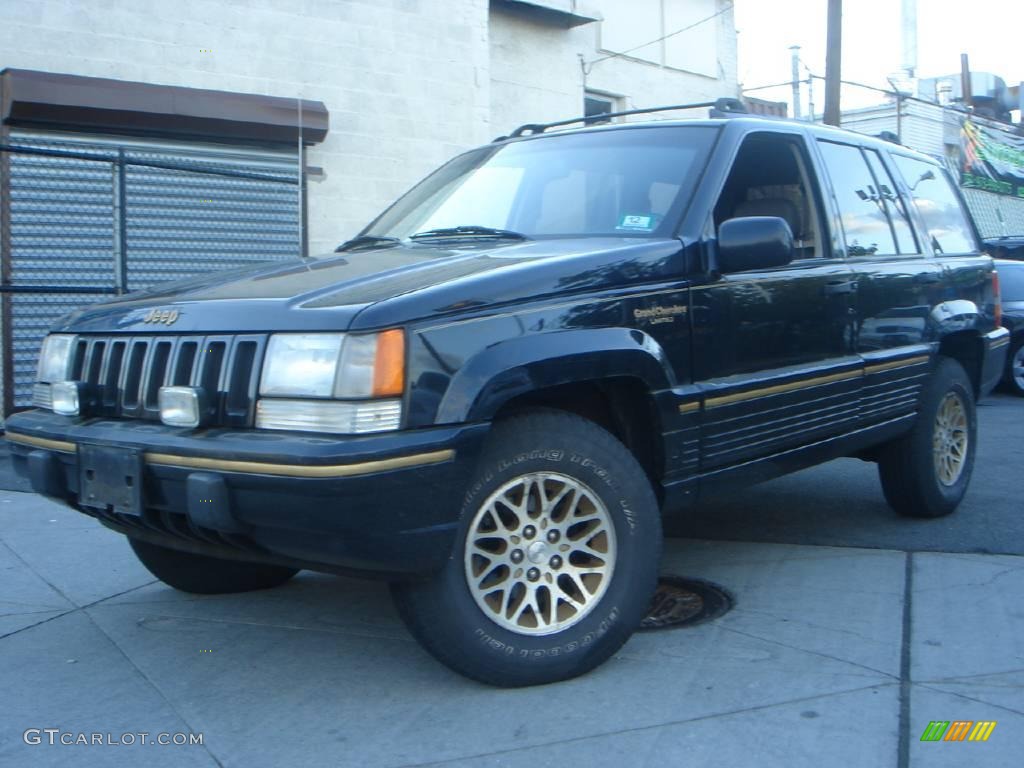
(102, 105)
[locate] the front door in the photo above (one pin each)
(772, 348)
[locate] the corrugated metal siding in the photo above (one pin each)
(870, 121)
(65, 222)
(921, 127)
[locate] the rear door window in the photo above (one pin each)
(949, 230)
(863, 211)
(885, 190)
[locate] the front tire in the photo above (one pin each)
(556, 557)
(205, 575)
(925, 473)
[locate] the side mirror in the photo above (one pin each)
(754, 242)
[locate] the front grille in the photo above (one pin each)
(126, 372)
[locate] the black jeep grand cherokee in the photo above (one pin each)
(490, 396)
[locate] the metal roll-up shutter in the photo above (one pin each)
(95, 215)
(226, 210)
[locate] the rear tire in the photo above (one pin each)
(556, 557)
(925, 473)
(205, 575)
(1014, 377)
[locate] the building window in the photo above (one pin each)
(595, 105)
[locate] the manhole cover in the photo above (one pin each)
(680, 602)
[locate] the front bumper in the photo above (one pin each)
(996, 345)
(385, 505)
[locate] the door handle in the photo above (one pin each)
(927, 277)
(838, 287)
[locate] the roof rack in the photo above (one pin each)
(723, 107)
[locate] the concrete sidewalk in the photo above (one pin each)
(832, 656)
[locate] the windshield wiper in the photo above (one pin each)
(469, 230)
(366, 241)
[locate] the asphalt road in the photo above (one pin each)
(841, 503)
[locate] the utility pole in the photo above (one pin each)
(810, 97)
(833, 55)
(795, 62)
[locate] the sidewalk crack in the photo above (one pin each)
(813, 653)
(151, 684)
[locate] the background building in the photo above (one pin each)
(933, 122)
(157, 139)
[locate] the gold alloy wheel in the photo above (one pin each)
(949, 439)
(540, 553)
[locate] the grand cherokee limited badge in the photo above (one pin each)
(165, 316)
(656, 315)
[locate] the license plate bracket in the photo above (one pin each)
(110, 478)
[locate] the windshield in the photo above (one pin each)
(632, 182)
(1011, 282)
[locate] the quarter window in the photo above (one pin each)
(947, 225)
(862, 208)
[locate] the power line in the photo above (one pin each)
(715, 15)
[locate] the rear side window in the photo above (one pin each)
(885, 191)
(863, 211)
(933, 194)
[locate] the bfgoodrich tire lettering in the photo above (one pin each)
(926, 472)
(205, 575)
(455, 624)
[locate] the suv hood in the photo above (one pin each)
(401, 283)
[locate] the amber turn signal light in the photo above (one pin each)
(389, 364)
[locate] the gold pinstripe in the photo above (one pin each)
(752, 394)
(888, 366)
(258, 467)
(792, 386)
(42, 442)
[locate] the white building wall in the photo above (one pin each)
(406, 82)
(536, 72)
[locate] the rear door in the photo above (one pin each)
(965, 302)
(898, 283)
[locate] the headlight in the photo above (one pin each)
(363, 374)
(334, 365)
(55, 358)
(301, 364)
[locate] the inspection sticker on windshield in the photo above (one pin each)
(637, 223)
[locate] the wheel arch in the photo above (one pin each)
(968, 349)
(609, 376)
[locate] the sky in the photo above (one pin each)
(991, 32)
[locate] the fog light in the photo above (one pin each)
(65, 397)
(181, 406)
